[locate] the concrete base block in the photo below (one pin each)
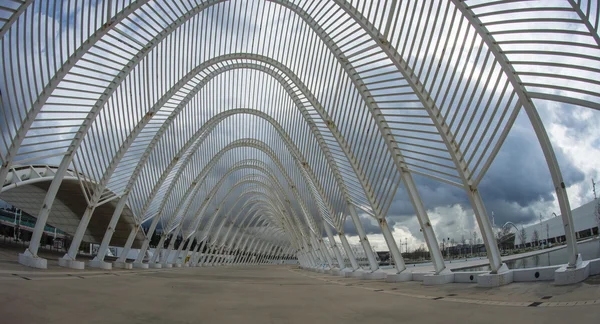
(177, 265)
(503, 277)
(442, 278)
(99, 264)
(420, 276)
(345, 272)
(155, 265)
(29, 260)
(166, 265)
(467, 277)
(355, 274)
(140, 265)
(594, 267)
(566, 276)
(122, 265)
(534, 274)
(375, 275)
(399, 277)
(73, 264)
(335, 272)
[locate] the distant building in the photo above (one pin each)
(552, 230)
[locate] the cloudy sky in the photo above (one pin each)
(517, 188)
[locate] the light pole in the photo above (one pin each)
(17, 224)
(443, 244)
(541, 228)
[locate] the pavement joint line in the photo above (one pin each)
(466, 300)
(22, 277)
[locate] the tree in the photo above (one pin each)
(536, 237)
(523, 236)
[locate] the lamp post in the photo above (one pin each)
(17, 224)
(443, 244)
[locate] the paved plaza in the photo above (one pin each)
(198, 143)
(275, 294)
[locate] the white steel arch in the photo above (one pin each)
(361, 94)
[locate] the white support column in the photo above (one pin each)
(213, 255)
(253, 252)
(98, 261)
(317, 252)
(194, 253)
(391, 243)
(247, 257)
(272, 254)
(159, 247)
(190, 241)
(178, 253)
(164, 259)
(138, 261)
(363, 238)
(307, 262)
(198, 255)
(220, 255)
(310, 254)
(246, 248)
(318, 242)
(334, 247)
(317, 262)
(266, 253)
(487, 233)
(424, 222)
(68, 260)
(237, 258)
(204, 259)
(326, 252)
(349, 253)
(30, 257)
(400, 275)
(257, 253)
(263, 254)
(122, 260)
(214, 245)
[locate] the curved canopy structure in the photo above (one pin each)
(260, 126)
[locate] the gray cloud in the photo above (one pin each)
(518, 178)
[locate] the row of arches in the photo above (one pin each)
(384, 92)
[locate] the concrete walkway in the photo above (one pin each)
(277, 294)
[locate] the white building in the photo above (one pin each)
(584, 217)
